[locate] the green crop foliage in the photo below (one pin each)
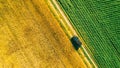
(98, 23)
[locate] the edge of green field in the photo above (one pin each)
(98, 23)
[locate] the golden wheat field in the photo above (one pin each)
(31, 37)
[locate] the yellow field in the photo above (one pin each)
(31, 37)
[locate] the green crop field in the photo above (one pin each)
(98, 23)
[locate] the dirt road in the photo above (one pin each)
(30, 37)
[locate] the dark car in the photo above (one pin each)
(76, 42)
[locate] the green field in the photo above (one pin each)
(98, 23)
